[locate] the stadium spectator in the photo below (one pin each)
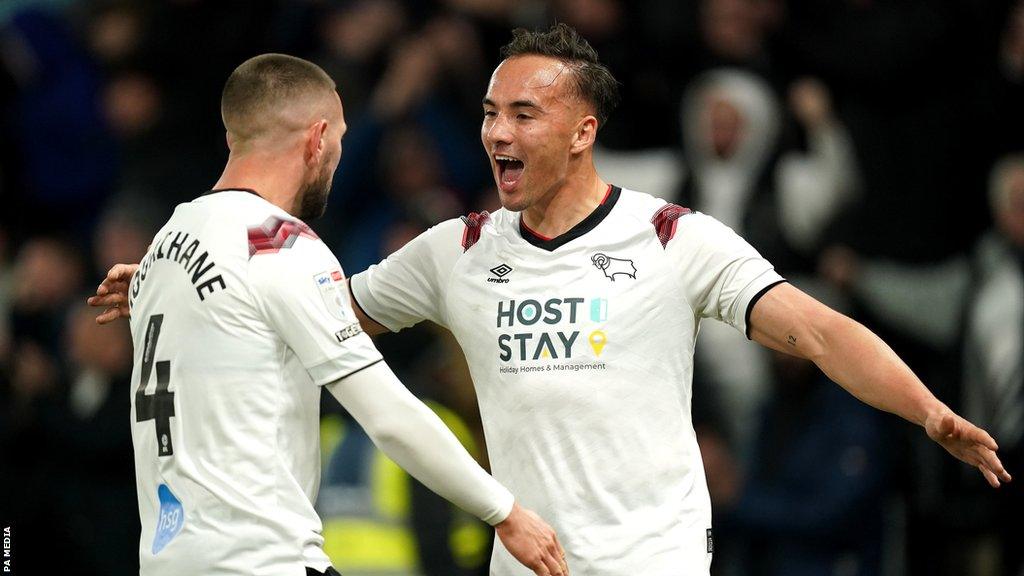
(971, 302)
(730, 124)
(994, 346)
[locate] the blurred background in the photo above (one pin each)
(872, 149)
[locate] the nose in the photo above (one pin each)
(497, 130)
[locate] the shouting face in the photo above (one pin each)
(531, 128)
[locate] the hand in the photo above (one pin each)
(532, 542)
(968, 443)
(112, 293)
(410, 76)
(810, 101)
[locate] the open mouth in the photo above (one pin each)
(510, 170)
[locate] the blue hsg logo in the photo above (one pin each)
(170, 520)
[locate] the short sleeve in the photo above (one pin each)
(409, 286)
(722, 275)
(301, 294)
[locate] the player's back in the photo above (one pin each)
(224, 417)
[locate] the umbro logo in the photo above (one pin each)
(501, 270)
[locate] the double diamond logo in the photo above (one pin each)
(501, 270)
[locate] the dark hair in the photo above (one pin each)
(592, 81)
(265, 82)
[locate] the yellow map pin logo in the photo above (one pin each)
(597, 341)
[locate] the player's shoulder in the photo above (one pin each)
(649, 211)
(270, 236)
(464, 233)
(476, 224)
(234, 210)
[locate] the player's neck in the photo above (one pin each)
(559, 211)
(263, 174)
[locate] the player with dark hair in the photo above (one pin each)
(240, 316)
(577, 305)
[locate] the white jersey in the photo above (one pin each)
(581, 351)
(239, 315)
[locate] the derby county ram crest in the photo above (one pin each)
(614, 266)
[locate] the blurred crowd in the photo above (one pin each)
(872, 149)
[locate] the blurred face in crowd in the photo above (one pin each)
(1010, 216)
(46, 274)
(312, 197)
(733, 28)
(725, 126)
(530, 129)
(594, 19)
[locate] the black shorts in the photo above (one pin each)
(330, 572)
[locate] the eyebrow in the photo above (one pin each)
(516, 104)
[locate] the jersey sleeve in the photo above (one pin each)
(409, 286)
(722, 275)
(301, 293)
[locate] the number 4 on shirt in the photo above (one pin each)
(158, 406)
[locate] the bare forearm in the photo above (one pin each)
(859, 361)
(792, 322)
(788, 320)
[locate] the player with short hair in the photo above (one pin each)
(577, 305)
(240, 316)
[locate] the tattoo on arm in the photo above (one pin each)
(791, 339)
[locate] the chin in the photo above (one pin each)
(514, 206)
(513, 202)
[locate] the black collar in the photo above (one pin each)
(585, 225)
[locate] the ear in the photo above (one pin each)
(230, 140)
(315, 143)
(585, 135)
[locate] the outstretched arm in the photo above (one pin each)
(787, 320)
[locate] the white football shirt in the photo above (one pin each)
(581, 351)
(239, 315)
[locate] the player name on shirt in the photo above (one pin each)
(177, 247)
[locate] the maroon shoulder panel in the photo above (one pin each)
(664, 221)
(276, 234)
(474, 222)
